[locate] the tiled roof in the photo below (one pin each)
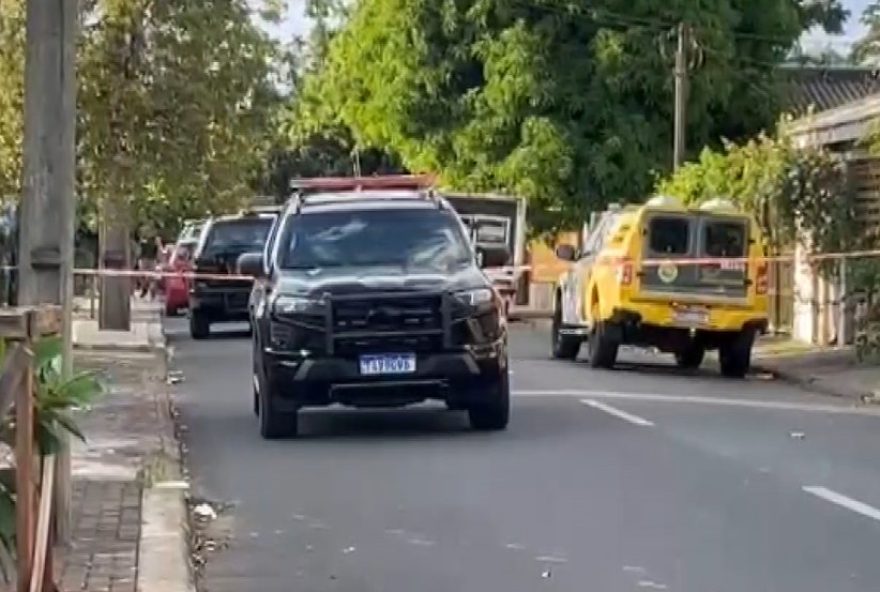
(826, 87)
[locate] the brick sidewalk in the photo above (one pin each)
(125, 429)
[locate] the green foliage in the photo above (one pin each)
(11, 96)
(568, 106)
(868, 47)
(176, 101)
(796, 195)
(56, 397)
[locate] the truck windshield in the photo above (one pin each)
(242, 235)
(417, 238)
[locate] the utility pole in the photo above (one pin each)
(48, 205)
(681, 94)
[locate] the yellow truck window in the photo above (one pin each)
(724, 239)
(669, 235)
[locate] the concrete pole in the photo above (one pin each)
(48, 207)
(681, 93)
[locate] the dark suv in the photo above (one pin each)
(222, 241)
(374, 299)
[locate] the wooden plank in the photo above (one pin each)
(45, 320)
(30, 321)
(13, 323)
(14, 367)
(44, 521)
(24, 480)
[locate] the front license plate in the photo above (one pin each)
(691, 318)
(374, 365)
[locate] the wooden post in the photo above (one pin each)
(24, 479)
(842, 308)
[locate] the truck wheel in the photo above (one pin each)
(690, 357)
(736, 355)
(493, 413)
(603, 345)
(199, 325)
(274, 424)
(565, 347)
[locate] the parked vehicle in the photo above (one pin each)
(176, 286)
(372, 297)
(191, 231)
(497, 226)
(223, 239)
(631, 283)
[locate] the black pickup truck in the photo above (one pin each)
(374, 299)
(213, 298)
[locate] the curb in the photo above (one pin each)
(163, 564)
(163, 546)
(813, 384)
(140, 348)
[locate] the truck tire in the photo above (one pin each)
(274, 424)
(493, 413)
(199, 325)
(603, 344)
(564, 347)
(691, 357)
(735, 356)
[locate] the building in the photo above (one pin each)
(837, 108)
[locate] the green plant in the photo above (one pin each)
(55, 398)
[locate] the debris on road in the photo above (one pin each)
(204, 511)
(797, 435)
(175, 377)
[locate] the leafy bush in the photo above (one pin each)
(796, 195)
(56, 397)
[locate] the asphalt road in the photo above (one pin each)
(641, 478)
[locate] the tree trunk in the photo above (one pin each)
(114, 313)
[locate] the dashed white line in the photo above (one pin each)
(633, 419)
(844, 501)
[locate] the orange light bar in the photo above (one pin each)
(361, 183)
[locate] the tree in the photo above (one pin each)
(797, 195)
(867, 49)
(566, 105)
(304, 150)
(12, 31)
(176, 102)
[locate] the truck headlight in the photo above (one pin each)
(285, 305)
(477, 297)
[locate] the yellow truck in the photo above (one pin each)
(662, 275)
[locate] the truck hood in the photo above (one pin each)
(314, 283)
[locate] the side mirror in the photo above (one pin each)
(250, 264)
(493, 256)
(566, 253)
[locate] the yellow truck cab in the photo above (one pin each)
(682, 280)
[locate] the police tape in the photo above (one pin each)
(198, 275)
(512, 272)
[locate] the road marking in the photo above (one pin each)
(634, 419)
(704, 400)
(551, 559)
(844, 501)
